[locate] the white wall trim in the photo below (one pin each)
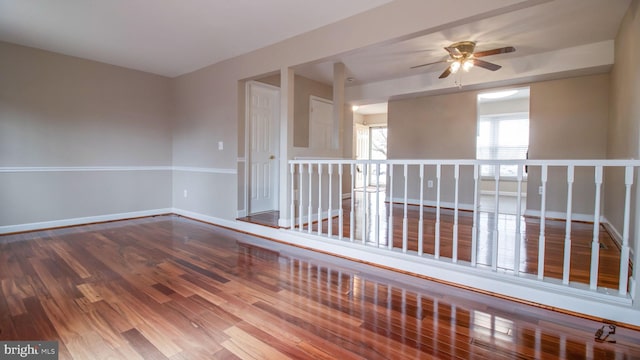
(27, 169)
(81, 221)
(204, 170)
(21, 169)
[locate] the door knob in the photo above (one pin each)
(272, 157)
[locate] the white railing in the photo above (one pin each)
(326, 202)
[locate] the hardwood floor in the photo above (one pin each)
(581, 238)
(267, 218)
(171, 288)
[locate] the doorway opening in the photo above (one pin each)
(503, 134)
(370, 131)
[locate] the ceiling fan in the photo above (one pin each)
(462, 55)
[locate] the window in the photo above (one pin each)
(502, 137)
(503, 129)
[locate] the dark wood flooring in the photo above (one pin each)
(171, 288)
(581, 238)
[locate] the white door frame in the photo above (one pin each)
(247, 144)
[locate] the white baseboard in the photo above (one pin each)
(206, 218)
(241, 213)
(346, 196)
(503, 193)
(562, 215)
(431, 203)
(616, 236)
(80, 221)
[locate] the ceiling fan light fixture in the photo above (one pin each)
(467, 65)
(455, 66)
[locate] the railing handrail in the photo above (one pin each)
(529, 162)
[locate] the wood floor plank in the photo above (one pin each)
(170, 288)
(246, 346)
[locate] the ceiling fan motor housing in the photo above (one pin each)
(464, 49)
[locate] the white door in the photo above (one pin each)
(320, 123)
(362, 152)
(264, 114)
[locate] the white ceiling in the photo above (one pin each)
(544, 30)
(171, 37)
(165, 37)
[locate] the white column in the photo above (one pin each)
(286, 145)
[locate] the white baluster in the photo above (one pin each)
(352, 215)
(474, 227)
(376, 229)
(300, 193)
(319, 199)
(566, 265)
(624, 251)
(330, 193)
(390, 223)
(541, 239)
(421, 220)
(293, 197)
(309, 217)
(496, 220)
(436, 253)
(595, 244)
(365, 210)
(340, 211)
(456, 177)
(405, 220)
(518, 239)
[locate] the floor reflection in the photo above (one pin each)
(374, 224)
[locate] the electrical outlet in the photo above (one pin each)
(184, 193)
(430, 183)
(220, 145)
(540, 190)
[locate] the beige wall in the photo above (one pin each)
(623, 129)
(207, 106)
(568, 120)
(433, 127)
(60, 111)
